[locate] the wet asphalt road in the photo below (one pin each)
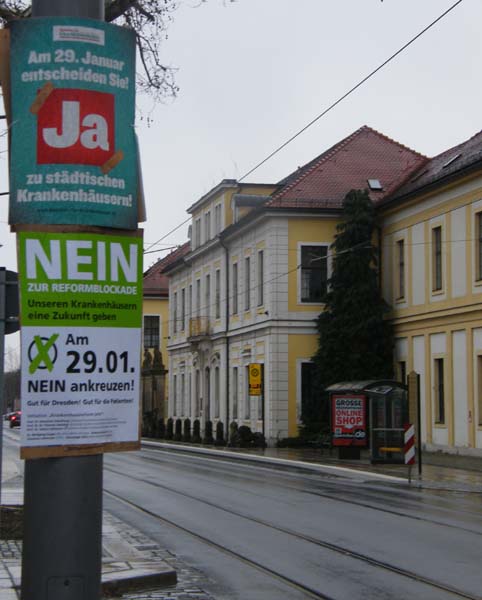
(258, 533)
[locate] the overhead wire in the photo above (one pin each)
(252, 288)
(161, 249)
(333, 105)
(167, 234)
(330, 255)
(313, 121)
(350, 91)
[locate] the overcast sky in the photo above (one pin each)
(253, 72)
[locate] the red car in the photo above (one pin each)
(15, 418)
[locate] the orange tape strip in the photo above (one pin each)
(112, 162)
(43, 94)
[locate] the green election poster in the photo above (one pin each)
(81, 317)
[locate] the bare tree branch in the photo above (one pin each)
(150, 19)
(148, 16)
(116, 8)
(10, 10)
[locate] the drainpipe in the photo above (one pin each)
(226, 256)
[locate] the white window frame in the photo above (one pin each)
(183, 309)
(247, 397)
(198, 297)
(207, 295)
(235, 392)
(183, 394)
(260, 272)
(478, 245)
(217, 293)
(174, 395)
(235, 288)
(197, 232)
(174, 313)
(247, 283)
(218, 218)
(400, 292)
(328, 271)
(299, 388)
(160, 328)
(437, 360)
(207, 225)
(217, 392)
(443, 267)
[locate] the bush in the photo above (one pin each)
(208, 433)
(245, 436)
(318, 440)
(259, 441)
(220, 441)
(291, 442)
(196, 432)
(149, 424)
(178, 431)
(169, 429)
(186, 436)
(233, 434)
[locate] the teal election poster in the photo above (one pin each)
(73, 156)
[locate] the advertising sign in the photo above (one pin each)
(348, 418)
(255, 384)
(81, 315)
(73, 151)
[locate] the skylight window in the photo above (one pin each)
(451, 160)
(374, 184)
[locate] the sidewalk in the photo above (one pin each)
(131, 559)
(439, 471)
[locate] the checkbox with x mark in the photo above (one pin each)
(42, 360)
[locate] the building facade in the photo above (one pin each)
(250, 289)
(432, 277)
(155, 334)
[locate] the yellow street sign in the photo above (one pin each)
(255, 382)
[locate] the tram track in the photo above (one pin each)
(338, 498)
(336, 548)
(247, 561)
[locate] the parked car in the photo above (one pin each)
(15, 419)
(8, 415)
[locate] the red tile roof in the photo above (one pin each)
(365, 154)
(155, 282)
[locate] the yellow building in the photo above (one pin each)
(155, 332)
(250, 289)
(432, 277)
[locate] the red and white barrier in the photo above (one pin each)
(409, 444)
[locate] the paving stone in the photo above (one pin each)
(127, 554)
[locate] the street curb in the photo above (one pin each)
(137, 578)
(319, 468)
(134, 579)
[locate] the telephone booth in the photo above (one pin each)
(371, 415)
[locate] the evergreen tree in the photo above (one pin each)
(355, 342)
